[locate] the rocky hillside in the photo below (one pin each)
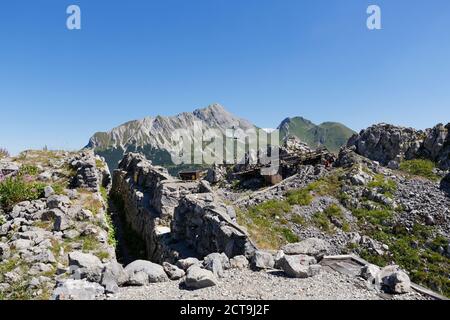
(55, 234)
(332, 135)
(151, 136)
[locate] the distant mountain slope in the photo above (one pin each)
(332, 135)
(151, 135)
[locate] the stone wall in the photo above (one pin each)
(210, 226)
(164, 212)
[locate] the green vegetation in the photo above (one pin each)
(322, 220)
(329, 185)
(420, 167)
(90, 243)
(99, 164)
(29, 170)
(413, 249)
(4, 153)
(386, 186)
(102, 255)
(15, 189)
(375, 217)
(300, 197)
(267, 223)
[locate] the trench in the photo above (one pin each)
(129, 245)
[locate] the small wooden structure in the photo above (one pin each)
(191, 175)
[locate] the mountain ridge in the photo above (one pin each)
(330, 134)
(151, 135)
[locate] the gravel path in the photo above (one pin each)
(249, 285)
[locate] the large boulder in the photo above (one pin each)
(393, 280)
(239, 262)
(141, 273)
(299, 266)
(85, 266)
(187, 263)
(263, 260)
(173, 272)
(198, 278)
(216, 263)
(77, 290)
(369, 272)
(117, 271)
(109, 282)
(311, 247)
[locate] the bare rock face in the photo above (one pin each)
(437, 145)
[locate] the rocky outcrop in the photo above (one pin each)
(176, 219)
(91, 172)
(387, 144)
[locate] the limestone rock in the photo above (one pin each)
(263, 260)
(216, 263)
(143, 272)
(187, 263)
(312, 247)
(117, 271)
(393, 280)
(239, 262)
(198, 278)
(173, 272)
(299, 266)
(77, 290)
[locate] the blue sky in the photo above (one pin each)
(264, 60)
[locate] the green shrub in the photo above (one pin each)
(420, 167)
(4, 153)
(321, 221)
(271, 208)
(104, 194)
(99, 164)
(375, 217)
(387, 186)
(15, 190)
(329, 185)
(290, 236)
(29, 170)
(300, 197)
